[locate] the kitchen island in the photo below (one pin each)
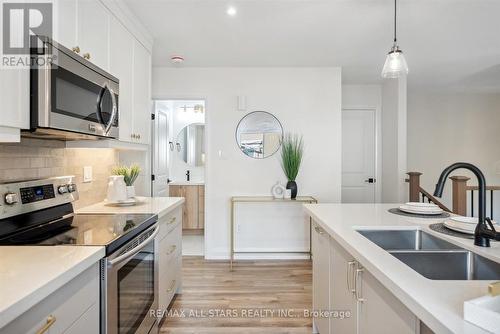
(436, 303)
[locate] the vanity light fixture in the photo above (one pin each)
(395, 62)
(231, 11)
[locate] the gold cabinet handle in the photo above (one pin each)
(86, 55)
(172, 249)
(359, 297)
(350, 269)
(76, 49)
(172, 221)
(172, 285)
(50, 321)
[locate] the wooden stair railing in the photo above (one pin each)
(417, 193)
(459, 194)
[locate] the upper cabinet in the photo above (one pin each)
(142, 93)
(93, 32)
(103, 32)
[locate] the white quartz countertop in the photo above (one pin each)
(187, 183)
(155, 205)
(438, 303)
(28, 274)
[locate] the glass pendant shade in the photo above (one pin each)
(395, 64)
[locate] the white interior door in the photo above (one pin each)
(358, 156)
(160, 153)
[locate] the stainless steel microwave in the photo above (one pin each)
(71, 98)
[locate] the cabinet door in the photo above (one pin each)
(321, 277)
(379, 312)
(66, 23)
(14, 94)
(142, 88)
(190, 219)
(201, 207)
(342, 296)
(93, 32)
(121, 46)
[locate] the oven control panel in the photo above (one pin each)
(28, 196)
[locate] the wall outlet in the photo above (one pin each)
(87, 174)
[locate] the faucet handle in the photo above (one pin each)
(491, 232)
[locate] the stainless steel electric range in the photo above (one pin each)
(40, 212)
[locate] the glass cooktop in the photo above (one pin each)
(110, 230)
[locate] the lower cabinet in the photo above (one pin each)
(73, 309)
(169, 258)
(194, 206)
(357, 301)
(321, 277)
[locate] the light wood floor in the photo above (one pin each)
(260, 286)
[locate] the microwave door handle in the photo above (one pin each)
(100, 119)
(134, 250)
(114, 111)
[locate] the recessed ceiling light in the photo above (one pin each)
(231, 11)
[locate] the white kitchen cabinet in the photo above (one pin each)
(169, 257)
(65, 23)
(14, 94)
(93, 32)
(379, 312)
(342, 296)
(321, 277)
(73, 309)
(121, 47)
(142, 93)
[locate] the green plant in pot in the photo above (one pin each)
(292, 149)
(130, 175)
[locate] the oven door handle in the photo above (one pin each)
(134, 250)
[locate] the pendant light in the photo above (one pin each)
(395, 62)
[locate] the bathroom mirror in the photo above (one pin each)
(190, 144)
(259, 134)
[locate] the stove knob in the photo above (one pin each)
(62, 189)
(71, 188)
(11, 198)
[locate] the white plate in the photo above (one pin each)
(421, 205)
(460, 227)
(467, 220)
(420, 211)
(127, 202)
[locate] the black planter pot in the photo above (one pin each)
(292, 185)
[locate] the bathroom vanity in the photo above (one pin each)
(193, 211)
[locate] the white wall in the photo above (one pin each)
(394, 140)
(448, 127)
(305, 100)
(361, 97)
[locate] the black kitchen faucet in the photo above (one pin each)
(484, 229)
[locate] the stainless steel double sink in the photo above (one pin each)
(433, 257)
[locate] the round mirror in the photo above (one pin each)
(190, 145)
(259, 134)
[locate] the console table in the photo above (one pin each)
(269, 228)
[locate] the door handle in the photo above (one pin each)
(359, 296)
(371, 180)
(350, 270)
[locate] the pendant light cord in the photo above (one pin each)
(395, 22)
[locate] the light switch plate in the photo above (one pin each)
(87, 174)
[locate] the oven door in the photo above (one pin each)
(75, 97)
(130, 287)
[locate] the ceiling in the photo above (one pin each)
(447, 43)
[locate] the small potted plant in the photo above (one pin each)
(292, 150)
(129, 174)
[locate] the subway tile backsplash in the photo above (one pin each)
(35, 158)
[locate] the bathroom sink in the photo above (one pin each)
(433, 257)
(406, 240)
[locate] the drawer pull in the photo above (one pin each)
(76, 49)
(172, 221)
(172, 285)
(172, 249)
(50, 321)
(86, 55)
(319, 230)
